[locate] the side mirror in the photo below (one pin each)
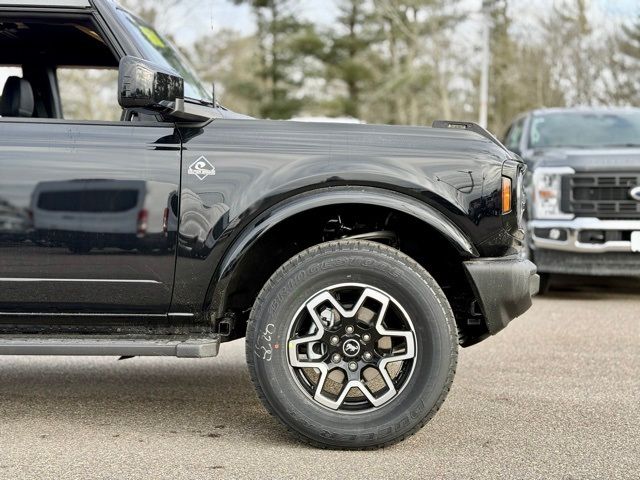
(144, 84)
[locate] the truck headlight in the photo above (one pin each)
(547, 191)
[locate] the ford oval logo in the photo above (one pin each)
(635, 193)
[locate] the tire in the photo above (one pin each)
(361, 276)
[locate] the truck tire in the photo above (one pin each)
(352, 345)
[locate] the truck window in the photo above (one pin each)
(59, 66)
(89, 93)
(588, 129)
(512, 139)
(97, 201)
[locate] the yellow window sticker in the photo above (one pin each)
(153, 37)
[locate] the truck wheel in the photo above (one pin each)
(352, 345)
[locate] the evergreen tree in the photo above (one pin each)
(283, 41)
(227, 59)
(349, 57)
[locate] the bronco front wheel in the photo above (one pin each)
(352, 344)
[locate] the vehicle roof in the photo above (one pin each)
(47, 3)
(546, 111)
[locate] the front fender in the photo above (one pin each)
(445, 178)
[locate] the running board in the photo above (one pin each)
(107, 345)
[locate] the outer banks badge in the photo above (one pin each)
(201, 168)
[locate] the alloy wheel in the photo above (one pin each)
(351, 347)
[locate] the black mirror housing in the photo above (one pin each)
(143, 84)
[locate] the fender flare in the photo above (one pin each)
(322, 197)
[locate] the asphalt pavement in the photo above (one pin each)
(556, 395)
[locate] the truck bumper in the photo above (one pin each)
(503, 287)
(585, 246)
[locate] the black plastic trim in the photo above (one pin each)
(472, 127)
(504, 287)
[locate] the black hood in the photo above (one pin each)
(588, 160)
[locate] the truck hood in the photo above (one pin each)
(588, 160)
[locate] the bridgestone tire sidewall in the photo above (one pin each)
(369, 264)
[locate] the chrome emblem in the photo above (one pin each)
(201, 168)
(635, 193)
(351, 348)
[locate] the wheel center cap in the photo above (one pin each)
(351, 347)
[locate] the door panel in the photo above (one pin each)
(88, 216)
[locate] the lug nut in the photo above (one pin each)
(336, 358)
(366, 337)
(367, 356)
(353, 366)
(349, 329)
(334, 340)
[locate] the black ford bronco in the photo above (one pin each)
(353, 258)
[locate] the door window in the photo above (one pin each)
(60, 67)
(89, 93)
(89, 201)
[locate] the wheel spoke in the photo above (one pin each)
(409, 341)
(309, 340)
(294, 353)
(318, 395)
(375, 295)
(313, 304)
(391, 389)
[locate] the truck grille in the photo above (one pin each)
(600, 195)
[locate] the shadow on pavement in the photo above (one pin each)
(210, 398)
(593, 288)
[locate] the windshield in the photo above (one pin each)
(158, 50)
(586, 129)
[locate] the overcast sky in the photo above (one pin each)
(210, 15)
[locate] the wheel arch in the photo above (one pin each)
(252, 246)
